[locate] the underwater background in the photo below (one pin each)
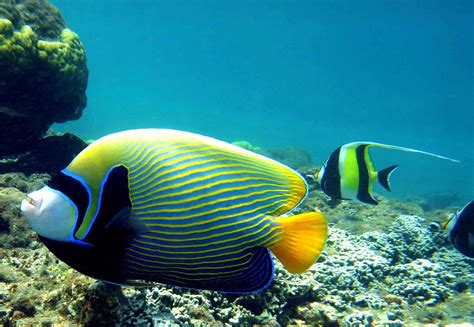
(308, 74)
(292, 80)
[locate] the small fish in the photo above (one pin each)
(460, 229)
(150, 206)
(350, 174)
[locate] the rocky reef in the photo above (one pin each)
(382, 265)
(43, 73)
(293, 157)
(50, 154)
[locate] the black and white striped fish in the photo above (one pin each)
(350, 174)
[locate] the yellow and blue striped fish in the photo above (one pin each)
(150, 206)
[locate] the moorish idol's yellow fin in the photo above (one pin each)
(302, 242)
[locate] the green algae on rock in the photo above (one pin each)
(43, 17)
(43, 75)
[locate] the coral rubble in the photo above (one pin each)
(398, 273)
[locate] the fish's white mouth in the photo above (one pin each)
(31, 205)
(50, 213)
(28, 206)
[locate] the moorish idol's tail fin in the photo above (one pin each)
(401, 148)
(383, 176)
(302, 242)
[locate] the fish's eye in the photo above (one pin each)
(30, 200)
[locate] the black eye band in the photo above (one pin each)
(75, 191)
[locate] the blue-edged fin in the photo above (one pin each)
(383, 176)
(401, 148)
(302, 242)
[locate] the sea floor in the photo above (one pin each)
(382, 266)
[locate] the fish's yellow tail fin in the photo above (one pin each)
(302, 242)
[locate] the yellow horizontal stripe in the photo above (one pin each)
(167, 171)
(161, 165)
(251, 241)
(199, 188)
(177, 265)
(178, 280)
(145, 149)
(133, 154)
(213, 211)
(219, 165)
(170, 151)
(162, 272)
(257, 166)
(181, 240)
(205, 230)
(123, 152)
(182, 208)
(194, 246)
(156, 144)
(157, 180)
(202, 222)
(219, 159)
(180, 263)
(138, 155)
(273, 239)
(211, 194)
(201, 179)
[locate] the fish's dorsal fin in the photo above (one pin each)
(401, 148)
(383, 176)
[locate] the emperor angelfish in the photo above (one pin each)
(150, 206)
(350, 174)
(460, 230)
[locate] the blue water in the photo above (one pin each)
(311, 74)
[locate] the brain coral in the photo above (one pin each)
(43, 73)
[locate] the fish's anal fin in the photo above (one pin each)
(383, 176)
(302, 242)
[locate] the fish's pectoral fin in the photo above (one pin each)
(125, 222)
(302, 242)
(383, 176)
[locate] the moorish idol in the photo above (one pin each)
(149, 206)
(460, 230)
(350, 174)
